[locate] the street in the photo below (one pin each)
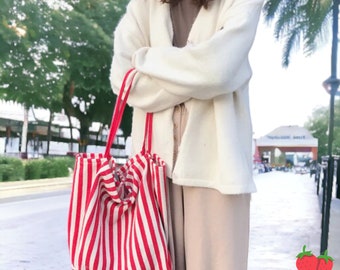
(285, 215)
(33, 233)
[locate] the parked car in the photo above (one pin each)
(301, 169)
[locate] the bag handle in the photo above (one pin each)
(147, 143)
(118, 110)
(118, 114)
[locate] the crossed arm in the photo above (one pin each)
(167, 76)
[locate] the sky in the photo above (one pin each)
(285, 96)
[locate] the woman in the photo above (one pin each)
(191, 59)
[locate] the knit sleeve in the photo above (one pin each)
(214, 67)
(131, 34)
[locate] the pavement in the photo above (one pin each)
(285, 216)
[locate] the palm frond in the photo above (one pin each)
(317, 18)
(287, 19)
(299, 23)
(270, 9)
(291, 42)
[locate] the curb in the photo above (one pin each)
(334, 233)
(28, 187)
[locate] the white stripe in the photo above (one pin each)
(153, 229)
(102, 233)
(141, 207)
(115, 233)
(73, 206)
(81, 213)
(86, 239)
(107, 240)
(129, 237)
(156, 219)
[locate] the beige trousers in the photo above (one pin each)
(210, 229)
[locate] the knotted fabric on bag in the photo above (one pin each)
(118, 216)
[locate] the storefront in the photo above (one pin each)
(286, 141)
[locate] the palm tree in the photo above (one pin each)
(298, 23)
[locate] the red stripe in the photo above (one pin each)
(141, 243)
(138, 224)
(150, 229)
(131, 247)
(103, 230)
(159, 178)
(92, 222)
(92, 217)
(155, 226)
(119, 239)
(125, 224)
(72, 229)
(81, 200)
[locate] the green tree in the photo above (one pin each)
(298, 23)
(87, 94)
(31, 71)
(318, 124)
(57, 54)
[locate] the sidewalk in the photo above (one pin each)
(285, 215)
(29, 187)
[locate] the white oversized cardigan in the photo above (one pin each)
(210, 75)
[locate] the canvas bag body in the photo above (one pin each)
(118, 214)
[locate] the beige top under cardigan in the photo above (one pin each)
(210, 74)
(182, 16)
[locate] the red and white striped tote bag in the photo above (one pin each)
(118, 216)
